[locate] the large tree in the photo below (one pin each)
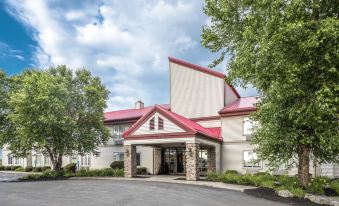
(289, 51)
(57, 112)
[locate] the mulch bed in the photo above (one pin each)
(269, 194)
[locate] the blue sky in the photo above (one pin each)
(126, 44)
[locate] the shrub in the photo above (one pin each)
(8, 168)
(231, 172)
(117, 165)
(212, 176)
(28, 169)
(107, 172)
(335, 186)
(31, 177)
(317, 185)
(44, 168)
(13, 168)
(50, 174)
(261, 173)
(2, 167)
(20, 169)
(70, 168)
(36, 169)
(297, 192)
(142, 170)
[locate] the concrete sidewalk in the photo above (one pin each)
(172, 179)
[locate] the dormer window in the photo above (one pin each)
(160, 123)
(151, 124)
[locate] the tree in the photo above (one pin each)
(56, 112)
(289, 51)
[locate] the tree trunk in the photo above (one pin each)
(304, 165)
(57, 163)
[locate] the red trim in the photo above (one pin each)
(197, 119)
(238, 112)
(161, 135)
(196, 67)
(202, 69)
(150, 113)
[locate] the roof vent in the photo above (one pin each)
(139, 105)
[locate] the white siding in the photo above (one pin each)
(195, 94)
(210, 123)
(169, 127)
(233, 128)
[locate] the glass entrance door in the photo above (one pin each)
(173, 160)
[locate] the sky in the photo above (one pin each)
(125, 43)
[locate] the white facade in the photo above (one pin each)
(196, 95)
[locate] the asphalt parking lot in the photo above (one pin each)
(114, 192)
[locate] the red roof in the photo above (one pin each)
(202, 69)
(189, 125)
(240, 105)
(130, 114)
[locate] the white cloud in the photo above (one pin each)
(126, 44)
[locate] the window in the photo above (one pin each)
(38, 160)
(249, 158)
(160, 123)
(138, 159)
(118, 130)
(118, 156)
(247, 126)
(17, 161)
(46, 160)
(10, 159)
(86, 160)
(151, 124)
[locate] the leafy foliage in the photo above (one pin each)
(117, 165)
(56, 112)
(289, 51)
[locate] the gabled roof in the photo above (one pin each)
(130, 114)
(188, 125)
(204, 70)
(243, 104)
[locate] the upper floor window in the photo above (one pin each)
(160, 123)
(248, 126)
(118, 130)
(10, 159)
(17, 161)
(151, 124)
(249, 160)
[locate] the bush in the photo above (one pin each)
(261, 173)
(107, 172)
(13, 168)
(117, 165)
(28, 169)
(8, 168)
(70, 168)
(2, 167)
(335, 186)
(231, 172)
(317, 185)
(31, 177)
(50, 174)
(212, 176)
(20, 169)
(44, 168)
(141, 170)
(36, 169)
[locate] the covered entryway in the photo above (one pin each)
(180, 146)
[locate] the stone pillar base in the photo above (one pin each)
(192, 161)
(211, 166)
(157, 160)
(130, 161)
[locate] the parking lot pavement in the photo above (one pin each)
(129, 193)
(10, 176)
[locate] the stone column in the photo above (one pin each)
(211, 159)
(130, 161)
(192, 161)
(157, 160)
